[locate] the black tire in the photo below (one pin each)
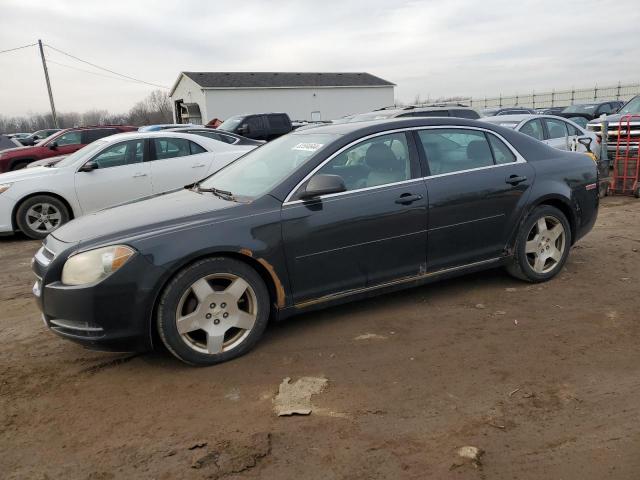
(520, 266)
(181, 286)
(23, 215)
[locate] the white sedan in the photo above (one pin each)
(107, 172)
(556, 132)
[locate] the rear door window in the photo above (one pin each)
(453, 150)
(164, 148)
(533, 128)
(556, 128)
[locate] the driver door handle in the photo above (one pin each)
(138, 175)
(407, 198)
(198, 165)
(515, 179)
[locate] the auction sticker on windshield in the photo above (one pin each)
(307, 147)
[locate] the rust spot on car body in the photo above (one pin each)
(280, 296)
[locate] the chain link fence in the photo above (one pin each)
(559, 97)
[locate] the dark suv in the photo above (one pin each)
(259, 126)
(62, 143)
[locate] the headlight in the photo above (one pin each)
(4, 187)
(95, 265)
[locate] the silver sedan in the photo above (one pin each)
(557, 132)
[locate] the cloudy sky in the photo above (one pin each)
(430, 48)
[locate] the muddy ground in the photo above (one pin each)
(544, 378)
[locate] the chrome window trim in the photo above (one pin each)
(519, 159)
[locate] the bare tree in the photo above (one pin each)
(155, 108)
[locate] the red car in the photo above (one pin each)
(63, 142)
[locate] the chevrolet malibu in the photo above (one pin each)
(314, 218)
(107, 172)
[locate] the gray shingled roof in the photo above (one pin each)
(284, 79)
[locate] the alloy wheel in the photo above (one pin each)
(217, 313)
(546, 244)
(43, 217)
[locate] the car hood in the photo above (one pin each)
(17, 149)
(163, 212)
(609, 118)
(47, 161)
(26, 174)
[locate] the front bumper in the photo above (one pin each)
(112, 315)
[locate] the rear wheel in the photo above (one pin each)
(542, 245)
(213, 311)
(38, 216)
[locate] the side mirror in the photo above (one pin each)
(243, 129)
(323, 185)
(53, 145)
(88, 167)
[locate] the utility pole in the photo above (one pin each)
(46, 77)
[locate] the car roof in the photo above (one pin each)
(164, 134)
(374, 126)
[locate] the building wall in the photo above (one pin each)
(299, 103)
(190, 92)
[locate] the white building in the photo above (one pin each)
(199, 97)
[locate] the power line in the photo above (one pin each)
(106, 69)
(88, 71)
(18, 48)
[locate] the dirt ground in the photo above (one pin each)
(544, 378)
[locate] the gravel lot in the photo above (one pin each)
(544, 378)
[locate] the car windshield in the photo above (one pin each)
(585, 108)
(260, 170)
(230, 123)
(632, 107)
(88, 150)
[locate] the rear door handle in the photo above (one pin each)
(407, 198)
(138, 175)
(515, 179)
(199, 165)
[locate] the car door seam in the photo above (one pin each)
(359, 244)
(468, 221)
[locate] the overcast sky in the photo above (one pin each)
(432, 48)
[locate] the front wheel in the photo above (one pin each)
(542, 245)
(38, 216)
(213, 311)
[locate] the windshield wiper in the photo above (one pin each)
(224, 194)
